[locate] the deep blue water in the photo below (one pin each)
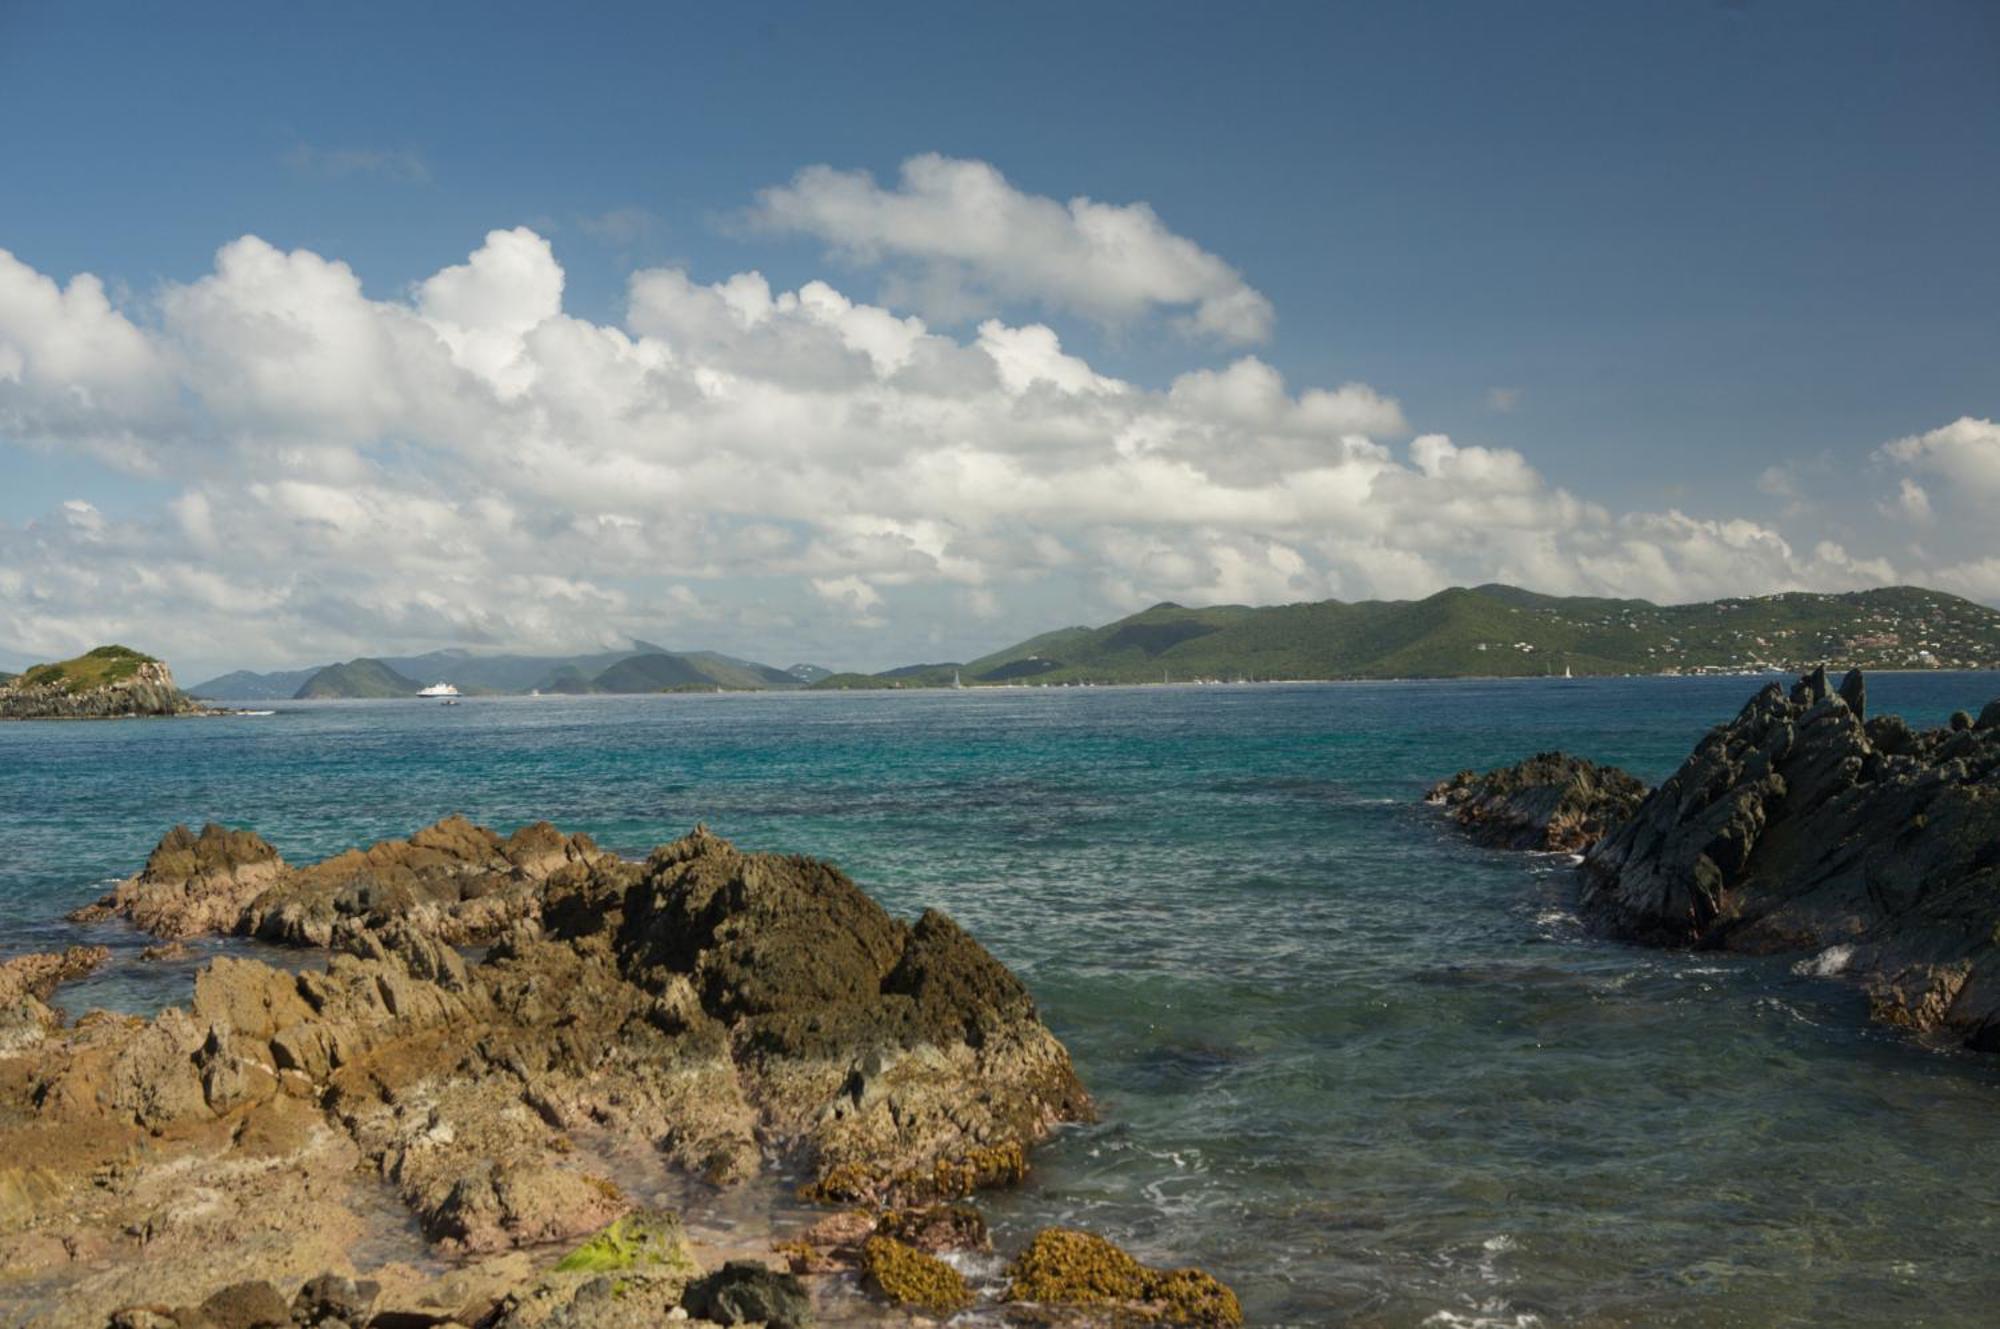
(1367, 1073)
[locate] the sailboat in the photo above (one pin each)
(956, 681)
(1566, 672)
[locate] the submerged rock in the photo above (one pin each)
(1801, 826)
(1552, 801)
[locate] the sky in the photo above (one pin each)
(871, 334)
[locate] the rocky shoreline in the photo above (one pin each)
(1803, 825)
(729, 1017)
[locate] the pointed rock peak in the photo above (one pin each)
(1854, 691)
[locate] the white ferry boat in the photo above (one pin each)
(438, 690)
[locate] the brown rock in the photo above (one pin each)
(40, 974)
(248, 1305)
(192, 885)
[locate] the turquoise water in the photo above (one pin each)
(1366, 1072)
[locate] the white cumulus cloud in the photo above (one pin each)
(758, 470)
(957, 233)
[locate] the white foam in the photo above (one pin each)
(1487, 1315)
(1833, 960)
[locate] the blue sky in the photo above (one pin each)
(1699, 260)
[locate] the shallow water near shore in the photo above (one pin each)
(1363, 1071)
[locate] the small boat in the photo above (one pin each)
(438, 690)
(451, 701)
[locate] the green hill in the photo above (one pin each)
(1493, 631)
(355, 679)
(650, 673)
(486, 675)
(93, 669)
(243, 685)
(100, 684)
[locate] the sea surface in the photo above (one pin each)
(1367, 1073)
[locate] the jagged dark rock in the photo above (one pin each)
(743, 1292)
(1552, 801)
(1854, 691)
(1797, 826)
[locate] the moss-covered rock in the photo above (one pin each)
(979, 1168)
(908, 1277)
(646, 1238)
(1065, 1267)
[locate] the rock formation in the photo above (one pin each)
(719, 1010)
(1552, 801)
(110, 682)
(27, 982)
(192, 885)
(455, 881)
(1803, 825)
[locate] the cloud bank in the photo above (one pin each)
(776, 472)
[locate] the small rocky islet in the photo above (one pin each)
(1806, 825)
(727, 1015)
(108, 683)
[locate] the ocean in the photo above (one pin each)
(1365, 1072)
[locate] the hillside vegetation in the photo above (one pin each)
(357, 678)
(93, 669)
(1489, 631)
(107, 683)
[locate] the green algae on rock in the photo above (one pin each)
(638, 1240)
(1065, 1267)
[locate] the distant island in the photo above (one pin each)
(1490, 631)
(643, 668)
(108, 683)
